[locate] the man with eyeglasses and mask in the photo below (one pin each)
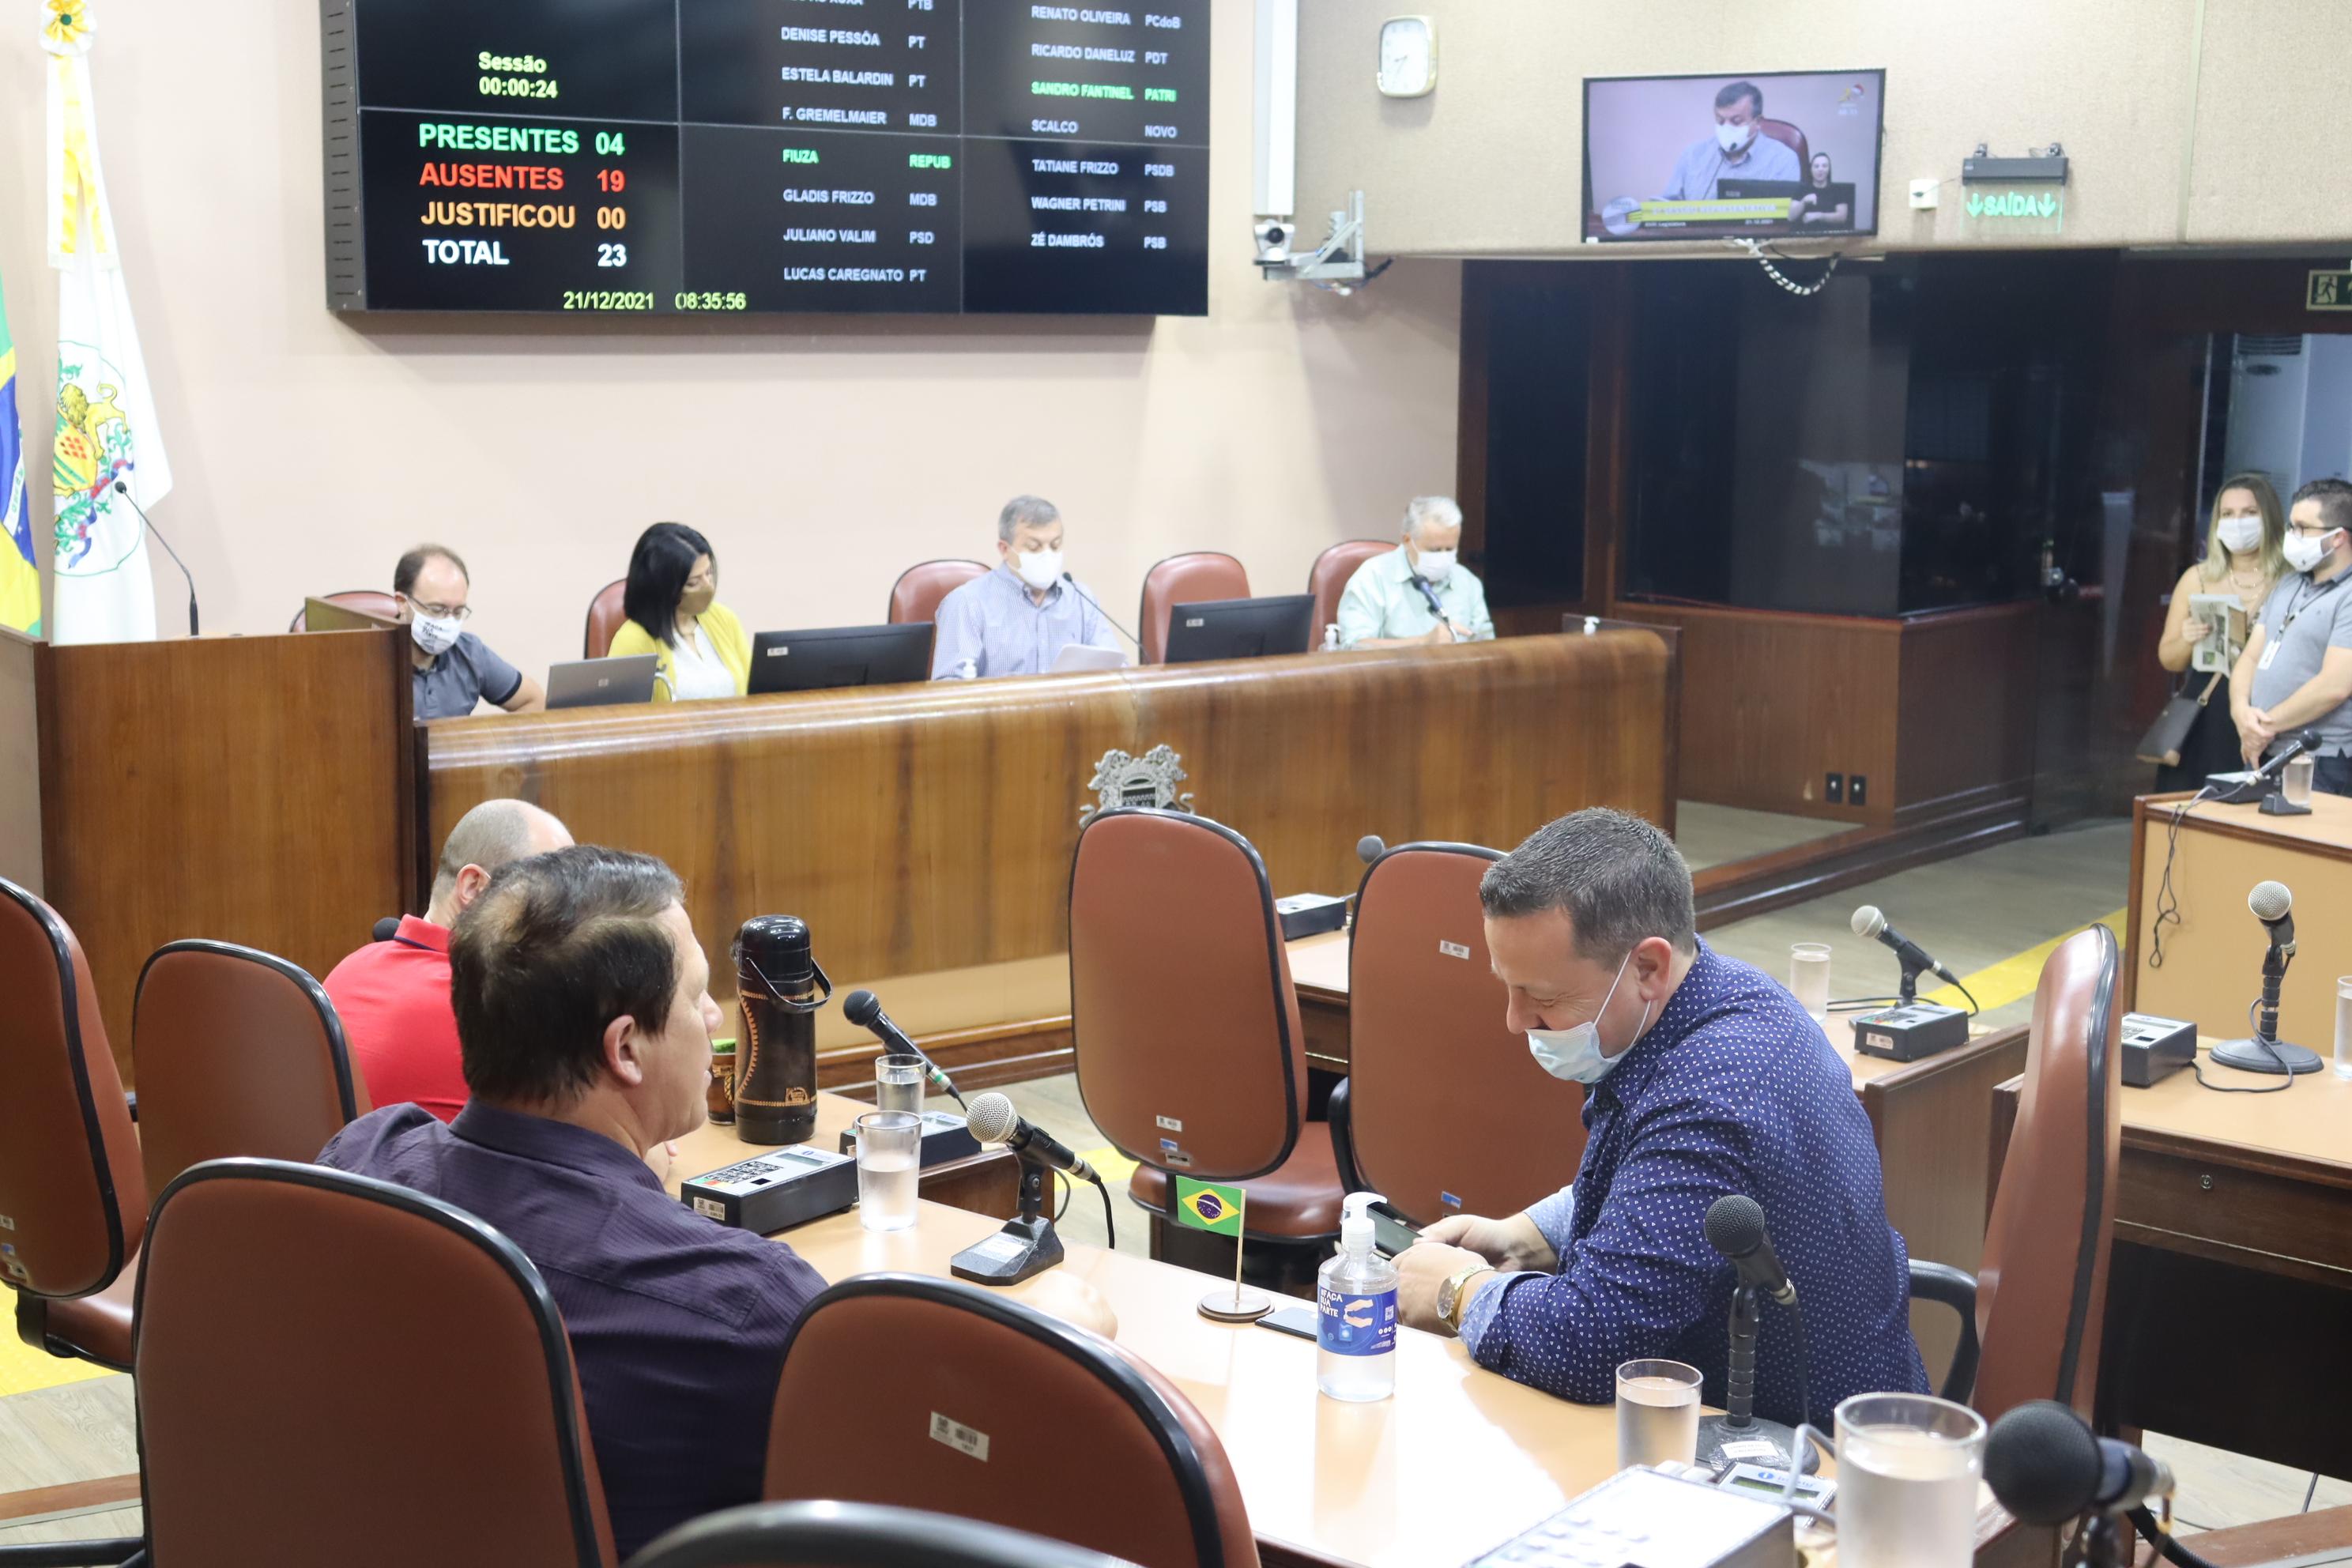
(453, 668)
(1017, 619)
(2296, 670)
(1703, 1077)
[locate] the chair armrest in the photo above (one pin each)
(104, 1553)
(1343, 1139)
(1943, 1283)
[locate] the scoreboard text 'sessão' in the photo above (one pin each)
(782, 155)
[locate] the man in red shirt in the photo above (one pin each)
(393, 996)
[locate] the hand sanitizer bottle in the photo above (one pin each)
(1356, 1312)
(1332, 637)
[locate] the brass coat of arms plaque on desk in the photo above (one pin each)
(1121, 779)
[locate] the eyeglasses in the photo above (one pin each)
(2312, 530)
(442, 612)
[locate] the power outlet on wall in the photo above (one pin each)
(1856, 792)
(1836, 792)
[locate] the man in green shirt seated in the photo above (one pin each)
(1416, 593)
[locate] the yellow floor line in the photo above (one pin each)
(1998, 984)
(24, 1369)
(1114, 1167)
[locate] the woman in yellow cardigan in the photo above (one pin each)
(672, 603)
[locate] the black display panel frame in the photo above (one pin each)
(616, 157)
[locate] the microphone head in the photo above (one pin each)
(1868, 921)
(861, 1008)
(122, 488)
(2042, 1463)
(387, 928)
(1370, 848)
(1735, 1226)
(2270, 902)
(990, 1117)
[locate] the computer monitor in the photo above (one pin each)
(602, 682)
(841, 656)
(1240, 628)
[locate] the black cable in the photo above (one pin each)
(2165, 1542)
(1805, 1378)
(2253, 1032)
(1110, 1229)
(1063, 1183)
(1973, 1009)
(2309, 1492)
(2168, 902)
(1857, 1004)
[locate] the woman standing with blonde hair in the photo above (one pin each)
(2241, 558)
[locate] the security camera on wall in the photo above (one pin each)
(1338, 258)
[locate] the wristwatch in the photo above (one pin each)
(1451, 1296)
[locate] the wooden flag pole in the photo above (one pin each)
(1247, 1306)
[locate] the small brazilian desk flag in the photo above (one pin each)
(20, 572)
(1204, 1205)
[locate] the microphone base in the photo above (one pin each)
(1023, 1248)
(2255, 1056)
(1722, 1444)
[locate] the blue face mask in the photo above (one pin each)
(1574, 1055)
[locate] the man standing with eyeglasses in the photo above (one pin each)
(2296, 671)
(453, 668)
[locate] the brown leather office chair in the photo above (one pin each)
(854, 1535)
(1329, 577)
(1192, 579)
(916, 596)
(1189, 1051)
(1442, 1111)
(1135, 1469)
(238, 1052)
(2030, 1320)
(604, 620)
(69, 1176)
(1789, 136)
(373, 601)
(333, 1369)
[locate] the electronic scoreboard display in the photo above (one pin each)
(708, 156)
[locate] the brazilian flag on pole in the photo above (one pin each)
(1205, 1205)
(20, 573)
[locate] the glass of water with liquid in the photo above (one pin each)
(2344, 1026)
(1907, 1466)
(1657, 1413)
(890, 1167)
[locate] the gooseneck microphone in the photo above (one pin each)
(1090, 599)
(863, 1009)
(1370, 848)
(994, 1121)
(123, 490)
(1735, 1228)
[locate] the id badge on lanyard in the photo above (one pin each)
(2269, 654)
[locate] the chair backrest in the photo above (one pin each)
(373, 601)
(2043, 1287)
(238, 1052)
(1181, 1003)
(70, 1178)
(1788, 135)
(1447, 1113)
(1135, 1470)
(854, 1535)
(1192, 579)
(604, 618)
(1327, 578)
(335, 1369)
(916, 596)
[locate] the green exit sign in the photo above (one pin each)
(2328, 291)
(2012, 204)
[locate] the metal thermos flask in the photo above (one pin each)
(778, 989)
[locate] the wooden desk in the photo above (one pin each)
(2214, 958)
(988, 1183)
(926, 832)
(2232, 1283)
(2298, 1540)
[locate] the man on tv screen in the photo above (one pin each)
(1738, 149)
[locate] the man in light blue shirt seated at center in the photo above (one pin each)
(1018, 619)
(1416, 594)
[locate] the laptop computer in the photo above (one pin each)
(599, 683)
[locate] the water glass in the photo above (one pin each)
(1657, 1413)
(890, 1167)
(899, 1083)
(1907, 1466)
(1809, 978)
(2295, 781)
(2344, 1026)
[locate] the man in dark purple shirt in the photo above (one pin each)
(584, 1019)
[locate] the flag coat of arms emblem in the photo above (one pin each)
(106, 432)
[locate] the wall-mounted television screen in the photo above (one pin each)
(1768, 155)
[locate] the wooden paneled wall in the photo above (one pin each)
(255, 789)
(1931, 711)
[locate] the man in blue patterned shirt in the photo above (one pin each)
(1703, 1077)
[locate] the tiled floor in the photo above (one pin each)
(1715, 835)
(1974, 914)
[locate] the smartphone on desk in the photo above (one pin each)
(1297, 1319)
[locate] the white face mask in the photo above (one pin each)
(435, 635)
(1574, 1055)
(2239, 532)
(2303, 552)
(1041, 569)
(1435, 565)
(1734, 137)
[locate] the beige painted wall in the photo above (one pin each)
(1489, 164)
(820, 456)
